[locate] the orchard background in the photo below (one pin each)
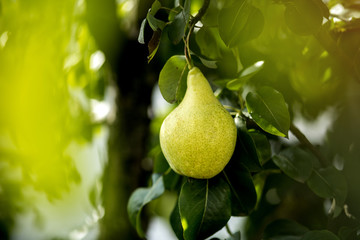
(83, 86)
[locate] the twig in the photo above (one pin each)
(192, 23)
(200, 13)
(303, 139)
(330, 45)
(228, 230)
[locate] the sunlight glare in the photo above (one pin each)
(97, 59)
(3, 39)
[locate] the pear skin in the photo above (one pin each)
(198, 137)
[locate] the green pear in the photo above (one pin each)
(198, 137)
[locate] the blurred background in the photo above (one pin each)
(75, 91)
(80, 110)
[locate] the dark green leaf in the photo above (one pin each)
(172, 79)
(176, 29)
(160, 163)
(175, 222)
(284, 229)
(205, 207)
(172, 180)
(141, 32)
(174, 12)
(323, 7)
(209, 41)
(240, 22)
(153, 44)
(319, 235)
(348, 233)
(235, 236)
(245, 150)
(254, 26)
(186, 10)
(303, 17)
(245, 75)
(140, 198)
(262, 145)
(243, 193)
(268, 109)
(329, 183)
(208, 63)
(296, 163)
(155, 23)
(287, 237)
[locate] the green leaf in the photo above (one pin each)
(235, 84)
(240, 22)
(262, 145)
(205, 207)
(245, 150)
(254, 26)
(174, 12)
(160, 163)
(176, 29)
(155, 7)
(140, 198)
(172, 180)
(284, 229)
(175, 222)
(296, 163)
(141, 32)
(287, 237)
(155, 23)
(303, 17)
(250, 71)
(347, 232)
(209, 42)
(172, 79)
(319, 235)
(329, 183)
(268, 109)
(323, 7)
(243, 193)
(245, 75)
(208, 63)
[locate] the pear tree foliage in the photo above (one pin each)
(270, 64)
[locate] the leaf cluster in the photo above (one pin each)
(262, 59)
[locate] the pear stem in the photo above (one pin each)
(192, 23)
(187, 48)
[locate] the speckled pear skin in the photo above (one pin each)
(198, 137)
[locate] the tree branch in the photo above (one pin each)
(330, 45)
(303, 140)
(200, 13)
